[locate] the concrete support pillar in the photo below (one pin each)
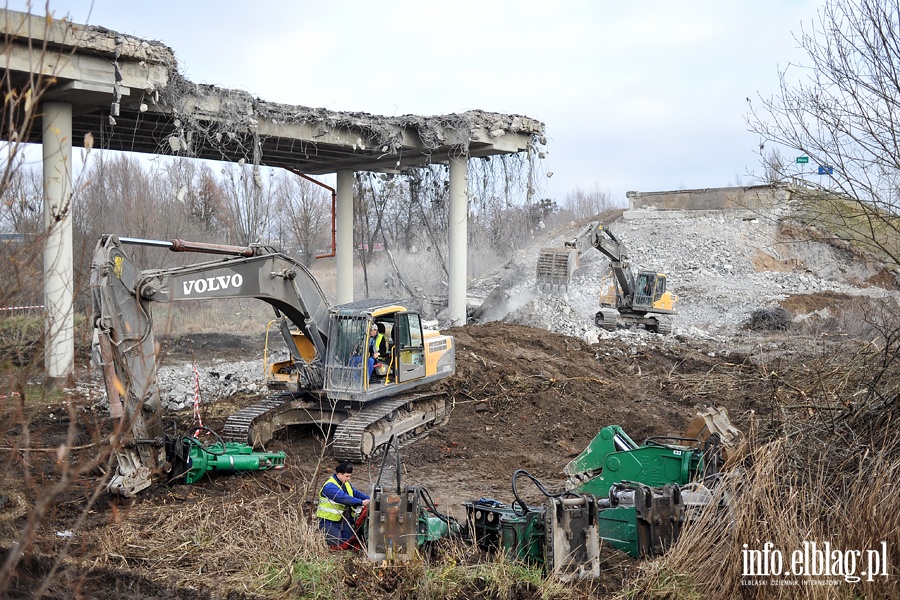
(58, 264)
(459, 227)
(344, 235)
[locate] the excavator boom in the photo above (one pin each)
(328, 379)
(124, 330)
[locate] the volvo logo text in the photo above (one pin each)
(212, 284)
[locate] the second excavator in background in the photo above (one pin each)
(625, 297)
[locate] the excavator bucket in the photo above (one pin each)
(714, 420)
(555, 267)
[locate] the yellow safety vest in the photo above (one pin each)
(328, 509)
(376, 344)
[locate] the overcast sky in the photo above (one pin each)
(644, 96)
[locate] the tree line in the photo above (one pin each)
(395, 215)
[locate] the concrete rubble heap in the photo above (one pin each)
(723, 265)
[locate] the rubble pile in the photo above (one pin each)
(723, 267)
(178, 384)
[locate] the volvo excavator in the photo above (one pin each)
(625, 298)
(325, 382)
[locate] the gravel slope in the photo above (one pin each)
(723, 266)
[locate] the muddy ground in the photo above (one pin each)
(522, 398)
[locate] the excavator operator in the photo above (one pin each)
(377, 346)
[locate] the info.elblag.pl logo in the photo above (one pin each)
(812, 563)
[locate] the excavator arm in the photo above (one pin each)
(556, 265)
(124, 338)
(635, 295)
(121, 298)
(610, 246)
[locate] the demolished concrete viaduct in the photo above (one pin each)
(125, 93)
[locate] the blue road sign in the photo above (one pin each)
(826, 170)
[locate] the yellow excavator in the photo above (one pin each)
(625, 297)
(330, 379)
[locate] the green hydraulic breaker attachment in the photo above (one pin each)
(612, 457)
(189, 458)
(522, 535)
(229, 456)
(402, 520)
(400, 524)
(562, 535)
(642, 521)
(497, 526)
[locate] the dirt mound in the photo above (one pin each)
(810, 303)
(524, 398)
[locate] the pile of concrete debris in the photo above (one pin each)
(722, 265)
(181, 384)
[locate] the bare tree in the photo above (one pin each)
(21, 233)
(118, 195)
(842, 111)
(248, 200)
(306, 210)
(584, 204)
(199, 195)
(429, 191)
(777, 166)
(22, 202)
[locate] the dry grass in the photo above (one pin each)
(267, 544)
(824, 467)
(851, 225)
(253, 544)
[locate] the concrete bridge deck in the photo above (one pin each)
(128, 94)
(69, 85)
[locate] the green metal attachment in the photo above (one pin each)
(400, 524)
(230, 456)
(432, 529)
(499, 526)
(522, 536)
(612, 457)
(642, 521)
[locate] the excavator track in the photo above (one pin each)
(663, 326)
(237, 426)
(607, 319)
(409, 417)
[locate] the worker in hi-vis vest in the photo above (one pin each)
(337, 501)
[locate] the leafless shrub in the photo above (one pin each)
(584, 204)
(850, 320)
(769, 319)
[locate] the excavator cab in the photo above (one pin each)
(650, 292)
(409, 355)
(648, 288)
